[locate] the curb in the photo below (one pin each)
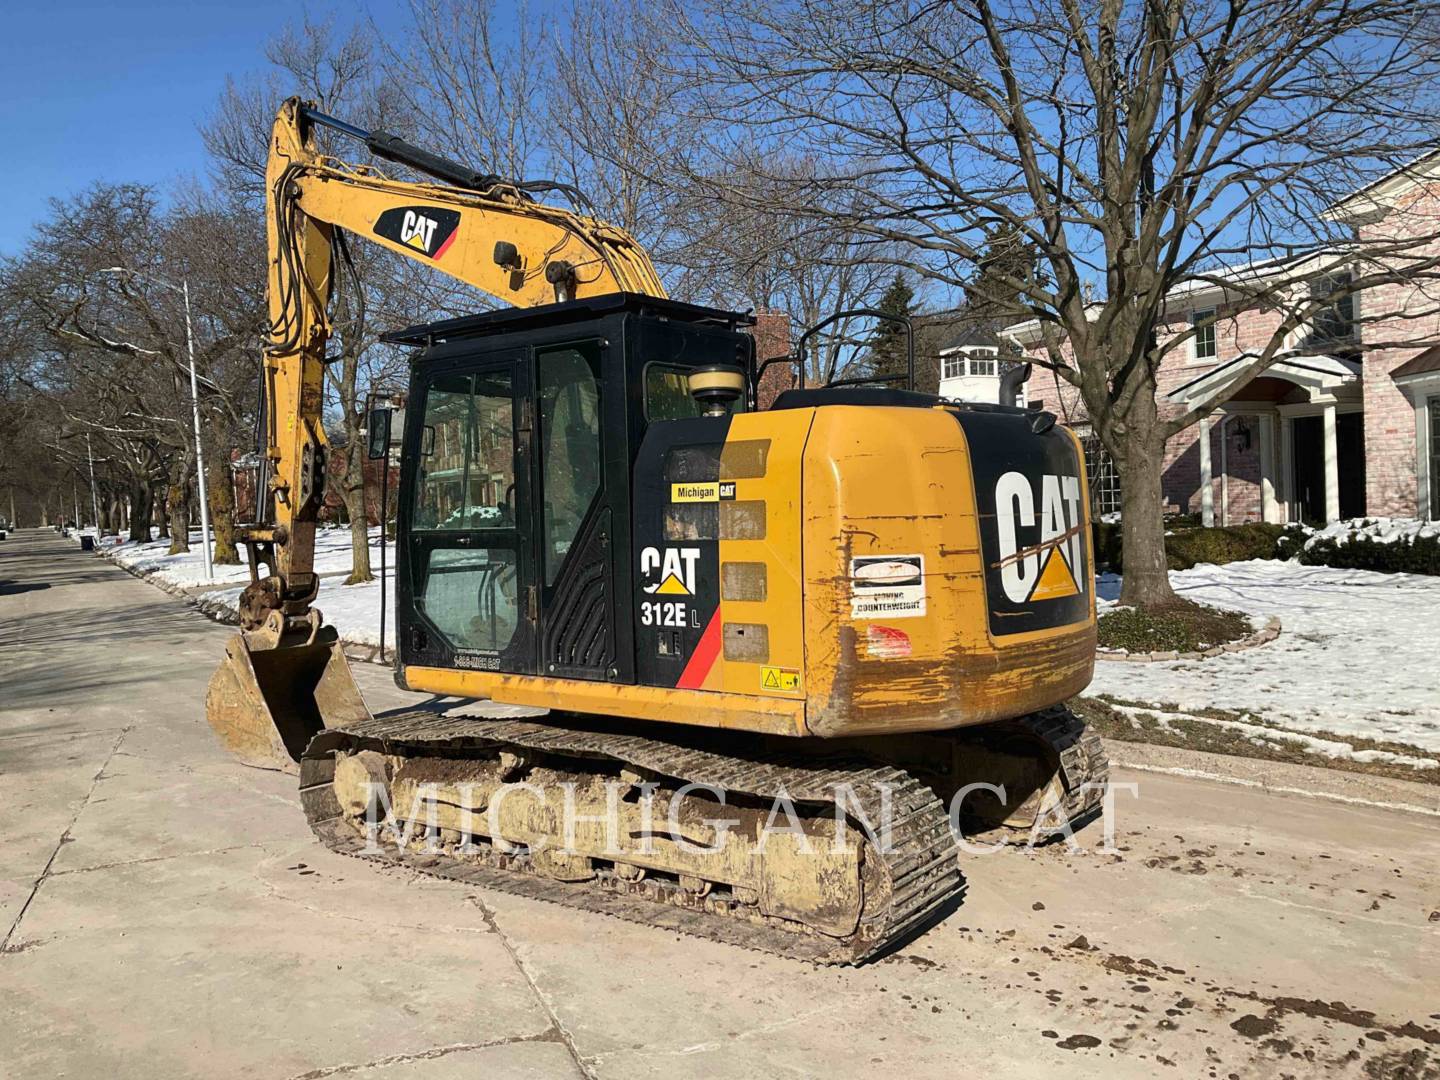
(1278, 778)
(1266, 634)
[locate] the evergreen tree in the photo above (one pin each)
(991, 296)
(889, 342)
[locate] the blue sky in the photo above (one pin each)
(114, 89)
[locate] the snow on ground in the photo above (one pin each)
(1359, 652)
(1261, 734)
(354, 610)
(333, 555)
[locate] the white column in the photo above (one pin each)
(1422, 456)
(1269, 510)
(1332, 468)
(1207, 492)
(1287, 468)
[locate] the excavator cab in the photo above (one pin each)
(517, 491)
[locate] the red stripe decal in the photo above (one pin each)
(703, 658)
(446, 245)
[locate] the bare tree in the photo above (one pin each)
(1136, 148)
(94, 298)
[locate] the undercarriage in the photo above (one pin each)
(823, 852)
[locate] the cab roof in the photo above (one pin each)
(505, 320)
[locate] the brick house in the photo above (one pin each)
(1350, 428)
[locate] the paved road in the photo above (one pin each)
(165, 913)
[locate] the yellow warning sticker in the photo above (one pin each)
(693, 493)
(782, 679)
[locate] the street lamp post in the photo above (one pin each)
(94, 501)
(199, 459)
(184, 290)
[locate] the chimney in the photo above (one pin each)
(772, 338)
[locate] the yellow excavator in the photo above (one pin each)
(785, 655)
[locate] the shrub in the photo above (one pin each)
(1405, 555)
(1235, 543)
(1188, 547)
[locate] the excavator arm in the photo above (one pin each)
(490, 235)
(284, 672)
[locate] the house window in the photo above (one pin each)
(952, 366)
(982, 365)
(1204, 339)
(1104, 477)
(1334, 323)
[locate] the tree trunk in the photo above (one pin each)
(220, 493)
(158, 513)
(140, 512)
(1142, 514)
(177, 500)
(352, 491)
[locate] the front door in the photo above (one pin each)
(1308, 452)
(470, 543)
(1350, 454)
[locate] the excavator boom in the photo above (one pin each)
(284, 672)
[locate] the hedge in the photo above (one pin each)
(1406, 555)
(1185, 548)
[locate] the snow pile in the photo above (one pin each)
(1356, 656)
(1381, 530)
(354, 610)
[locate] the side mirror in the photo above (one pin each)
(378, 432)
(427, 441)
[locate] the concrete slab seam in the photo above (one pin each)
(64, 839)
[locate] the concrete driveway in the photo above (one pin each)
(165, 913)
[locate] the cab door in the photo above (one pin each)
(575, 533)
(470, 538)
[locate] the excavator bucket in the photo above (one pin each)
(267, 704)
